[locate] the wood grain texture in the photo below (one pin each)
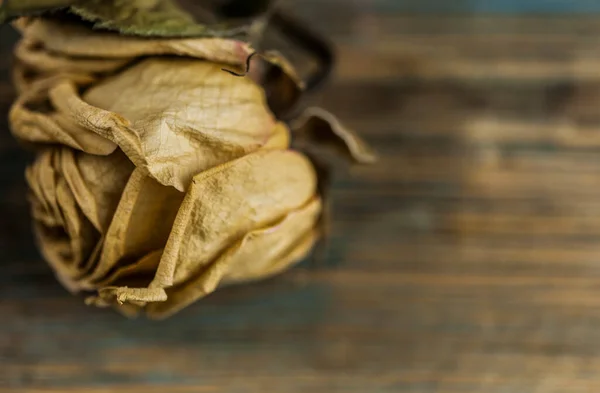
(468, 260)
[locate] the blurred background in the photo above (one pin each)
(466, 260)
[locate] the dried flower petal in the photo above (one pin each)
(322, 127)
(36, 58)
(182, 117)
(259, 254)
(74, 196)
(36, 119)
(76, 40)
(141, 223)
(262, 186)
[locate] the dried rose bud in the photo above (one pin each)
(159, 176)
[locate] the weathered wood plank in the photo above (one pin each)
(466, 261)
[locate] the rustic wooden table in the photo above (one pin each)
(468, 260)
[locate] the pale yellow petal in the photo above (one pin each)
(228, 201)
(141, 223)
(260, 248)
(97, 184)
(259, 254)
(280, 139)
(146, 266)
(182, 117)
(33, 55)
(46, 125)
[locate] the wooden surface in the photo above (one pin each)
(468, 260)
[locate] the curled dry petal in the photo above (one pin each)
(73, 198)
(78, 41)
(65, 42)
(259, 254)
(56, 60)
(322, 127)
(141, 224)
(176, 118)
(34, 117)
(36, 58)
(263, 186)
(274, 197)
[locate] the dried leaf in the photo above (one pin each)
(10, 9)
(147, 18)
(162, 18)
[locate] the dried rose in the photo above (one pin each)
(159, 176)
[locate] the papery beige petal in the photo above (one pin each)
(49, 223)
(226, 202)
(68, 241)
(36, 58)
(141, 223)
(182, 117)
(32, 86)
(163, 310)
(88, 266)
(124, 295)
(280, 139)
(83, 236)
(48, 125)
(275, 74)
(261, 250)
(295, 255)
(320, 126)
(78, 41)
(145, 267)
(73, 197)
(41, 179)
(97, 184)
(259, 254)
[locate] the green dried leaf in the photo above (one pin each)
(147, 18)
(163, 18)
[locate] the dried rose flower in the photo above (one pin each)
(159, 176)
